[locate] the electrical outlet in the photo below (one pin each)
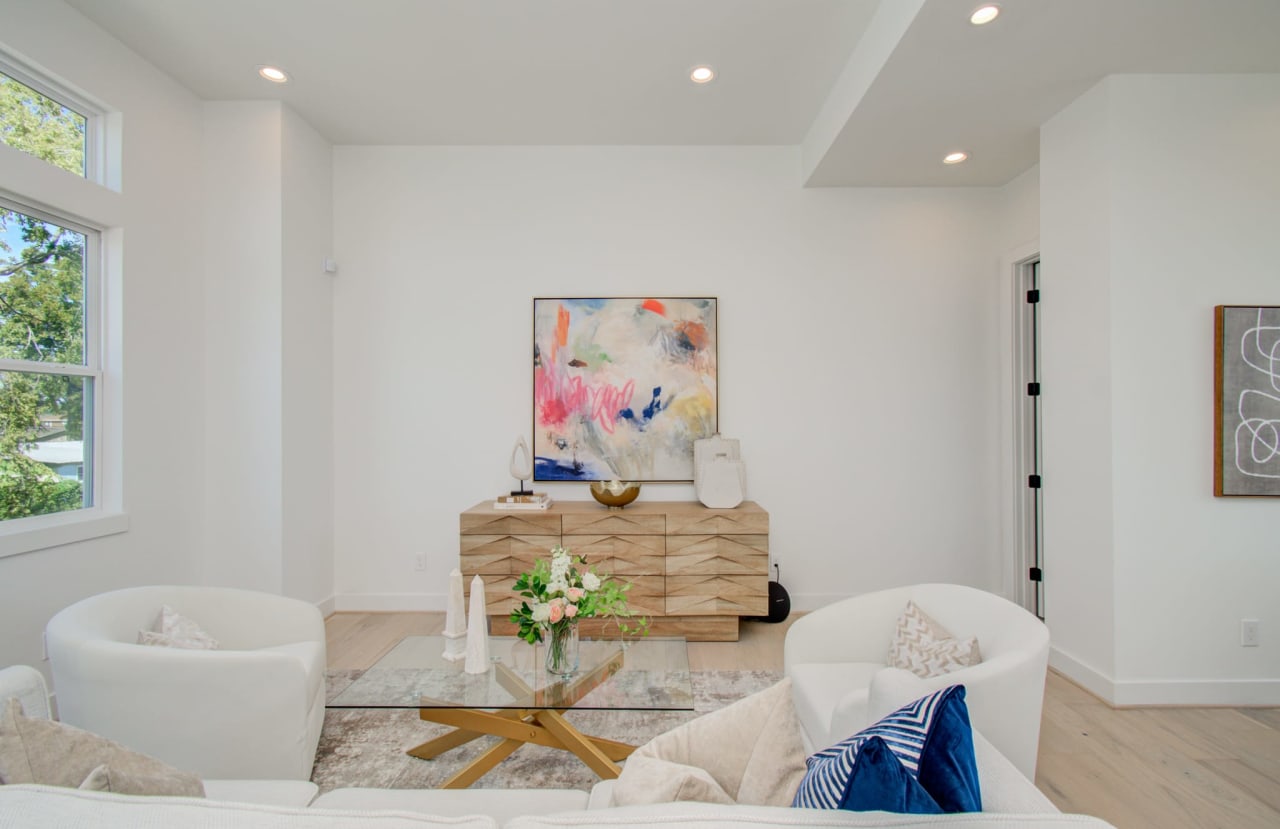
(1248, 633)
(420, 561)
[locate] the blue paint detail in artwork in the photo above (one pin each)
(655, 405)
(548, 469)
(626, 414)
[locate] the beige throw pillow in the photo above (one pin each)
(54, 754)
(751, 750)
(173, 630)
(925, 648)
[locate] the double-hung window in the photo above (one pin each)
(49, 363)
(51, 330)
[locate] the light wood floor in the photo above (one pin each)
(1139, 767)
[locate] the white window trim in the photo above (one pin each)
(89, 203)
(95, 143)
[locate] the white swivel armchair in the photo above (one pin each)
(837, 659)
(252, 709)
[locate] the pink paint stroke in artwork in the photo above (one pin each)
(559, 396)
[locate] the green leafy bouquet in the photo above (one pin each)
(562, 591)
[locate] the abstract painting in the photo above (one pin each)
(622, 387)
(1247, 407)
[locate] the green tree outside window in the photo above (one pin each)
(42, 314)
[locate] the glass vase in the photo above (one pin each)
(562, 648)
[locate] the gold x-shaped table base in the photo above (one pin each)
(542, 726)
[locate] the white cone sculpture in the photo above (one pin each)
(455, 620)
(477, 631)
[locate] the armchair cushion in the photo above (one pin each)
(932, 739)
(831, 698)
(48, 752)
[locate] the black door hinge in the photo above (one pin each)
(1036, 574)
(1033, 481)
(1033, 296)
(1033, 389)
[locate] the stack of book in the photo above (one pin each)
(527, 500)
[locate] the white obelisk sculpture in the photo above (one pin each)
(455, 620)
(477, 631)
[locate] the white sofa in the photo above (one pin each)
(836, 657)
(251, 709)
(1009, 798)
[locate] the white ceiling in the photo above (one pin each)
(876, 91)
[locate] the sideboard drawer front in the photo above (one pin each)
(742, 521)
(698, 555)
(504, 554)
(647, 596)
(717, 595)
(618, 555)
(515, 522)
(499, 598)
(601, 522)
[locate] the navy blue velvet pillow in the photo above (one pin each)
(930, 737)
(881, 783)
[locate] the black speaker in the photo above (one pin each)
(779, 602)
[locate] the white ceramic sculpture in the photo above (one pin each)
(455, 620)
(521, 464)
(477, 631)
(719, 476)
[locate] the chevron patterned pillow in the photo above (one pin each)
(932, 739)
(925, 648)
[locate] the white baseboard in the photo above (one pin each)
(1086, 676)
(326, 607)
(805, 602)
(389, 602)
(1126, 693)
(1229, 692)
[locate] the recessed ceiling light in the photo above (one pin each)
(273, 74)
(702, 74)
(984, 14)
(954, 158)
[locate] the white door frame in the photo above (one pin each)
(1016, 520)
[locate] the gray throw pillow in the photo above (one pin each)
(54, 754)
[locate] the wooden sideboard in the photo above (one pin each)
(693, 571)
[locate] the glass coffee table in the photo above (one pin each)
(517, 700)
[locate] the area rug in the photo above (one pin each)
(366, 747)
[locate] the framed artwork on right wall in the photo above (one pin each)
(1246, 415)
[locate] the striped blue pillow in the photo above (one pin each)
(930, 737)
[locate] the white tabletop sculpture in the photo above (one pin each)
(477, 631)
(455, 620)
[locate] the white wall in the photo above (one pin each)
(1016, 231)
(857, 353)
(1075, 281)
(243, 311)
(1161, 199)
(161, 300)
(268, 441)
(307, 380)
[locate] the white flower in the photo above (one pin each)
(541, 612)
(590, 581)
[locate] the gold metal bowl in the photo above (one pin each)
(614, 494)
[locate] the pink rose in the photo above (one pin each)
(557, 610)
(573, 594)
(570, 611)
